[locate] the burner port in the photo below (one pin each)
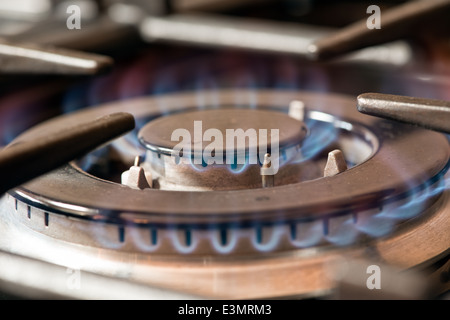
(223, 149)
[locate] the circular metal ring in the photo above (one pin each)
(407, 158)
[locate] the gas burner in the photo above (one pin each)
(202, 227)
(230, 159)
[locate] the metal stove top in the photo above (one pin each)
(133, 187)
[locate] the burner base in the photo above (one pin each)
(298, 273)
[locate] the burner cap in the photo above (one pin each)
(157, 134)
(221, 149)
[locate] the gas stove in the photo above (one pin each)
(248, 173)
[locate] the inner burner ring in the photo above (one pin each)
(374, 182)
(157, 134)
(222, 148)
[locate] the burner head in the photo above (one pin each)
(391, 199)
(387, 183)
(221, 149)
(157, 134)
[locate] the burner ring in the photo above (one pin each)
(179, 154)
(155, 135)
(322, 213)
(373, 182)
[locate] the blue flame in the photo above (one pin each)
(238, 168)
(92, 158)
(206, 94)
(225, 240)
(345, 235)
(8, 128)
(377, 226)
(75, 98)
(310, 237)
(273, 241)
(196, 166)
(384, 222)
(148, 243)
(322, 134)
(190, 244)
(166, 83)
(102, 234)
(247, 98)
(417, 202)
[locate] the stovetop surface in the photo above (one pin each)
(351, 190)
